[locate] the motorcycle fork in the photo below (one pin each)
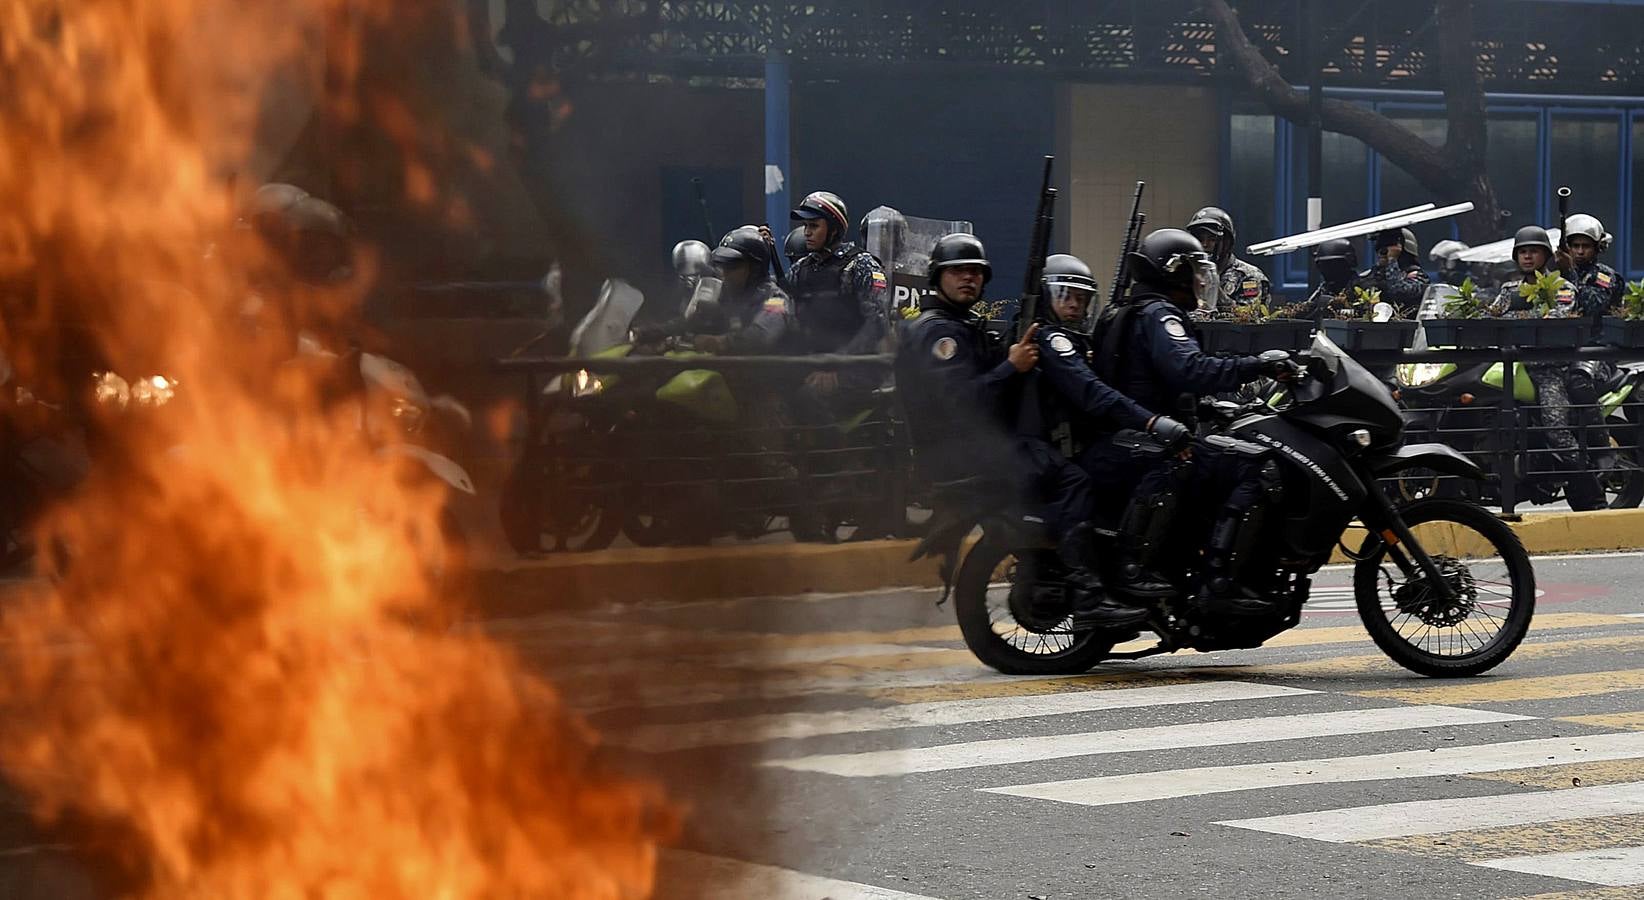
(1406, 552)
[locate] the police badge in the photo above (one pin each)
(945, 348)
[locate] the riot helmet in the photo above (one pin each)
(1336, 260)
(744, 246)
(828, 207)
(314, 238)
(1214, 229)
(1070, 288)
(1170, 259)
(955, 250)
(794, 247)
(1402, 238)
(1526, 243)
(692, 260)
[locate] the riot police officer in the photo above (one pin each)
(1076, 410)
(838, 287)
(1598, 287)
(755, 316)
(961, 390)
(1240, 282)
(1397, 272)
(1145, 347)
(1532, 255)
(1338, 265)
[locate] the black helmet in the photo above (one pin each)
(744, 244)
(1404, 239)
(1165, 257)
(827, 206)
(1064, 270)
(959, 249)
(1336, 248)
(794, 247)
(1533, 236)
(1215, 220)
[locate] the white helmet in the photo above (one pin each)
(1586, 226)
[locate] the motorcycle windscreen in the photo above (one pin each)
(606, 325)
(1342, 396)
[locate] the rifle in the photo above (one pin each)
(1133, 236)
(1039, 248)
(1563, 218)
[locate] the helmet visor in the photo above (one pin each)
(1206, 285)
(1070, 304)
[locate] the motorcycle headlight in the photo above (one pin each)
(1420, 374)
(109, 389)
(586, 385)
(153, 390)
(407, 415)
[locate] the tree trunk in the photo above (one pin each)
(1453, 172)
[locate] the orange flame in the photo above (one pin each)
(227, 690)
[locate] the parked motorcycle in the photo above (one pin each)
(1460, 405)
(1443, 586)
(591, 468)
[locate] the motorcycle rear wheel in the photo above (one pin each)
(1624, 487)
(1490, 571)
(993, 635)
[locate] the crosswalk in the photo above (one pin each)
(1520, 774)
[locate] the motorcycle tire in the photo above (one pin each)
(1507, 547)
(1631, 458)
(970, 603)
(520, 509)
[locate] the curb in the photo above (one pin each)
(572, 581)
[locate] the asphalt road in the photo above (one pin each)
(849, 748)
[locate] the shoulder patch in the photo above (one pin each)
(944, 348)
(1602, 279)
(1061, 344)
(776, 304)
(1174, 327)
(879, 281)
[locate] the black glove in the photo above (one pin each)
(1277, 365)
(1173, 434)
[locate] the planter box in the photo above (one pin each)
(1486, 333)
(1245, 339)
(1355, 336)
(1622, 332)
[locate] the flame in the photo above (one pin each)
(231, 688)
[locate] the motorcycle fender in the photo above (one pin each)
(441, 467)
(1524, 390)
(1438, 457)
(1613, 400)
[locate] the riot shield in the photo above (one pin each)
(903, 245)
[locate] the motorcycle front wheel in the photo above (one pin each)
(982, 602)
(1489, 573)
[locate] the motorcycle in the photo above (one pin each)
(590, 471)
(1443, 586)
(1460, 404)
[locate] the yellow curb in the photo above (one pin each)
(758, 570)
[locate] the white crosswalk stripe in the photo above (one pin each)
(1460, 760)
(1618, 867)
(1367, 823)
(1164, 737)
(758, 729)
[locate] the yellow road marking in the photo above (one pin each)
(1597, 833)
(1037, 687)
(1548, 687)
(1589, 774)
(1625, 721)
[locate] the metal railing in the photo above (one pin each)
(606, 441)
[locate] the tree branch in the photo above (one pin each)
(1425, 162)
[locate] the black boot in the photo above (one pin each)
(1093, 607)
(1135, 578)
(1223, 558)
(1143, 528)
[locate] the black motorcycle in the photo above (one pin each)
(1443, 586)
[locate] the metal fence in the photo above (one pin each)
(687, 450)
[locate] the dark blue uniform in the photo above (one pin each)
(958, 390)
(1159, 364)
(1074, 410)
(1598, 289)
